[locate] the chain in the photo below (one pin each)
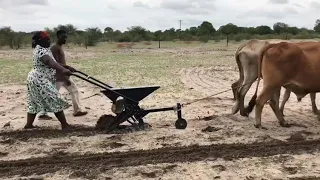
(194, 101)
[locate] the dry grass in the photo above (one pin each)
(147, 43)
(125, 45)
(139, 66)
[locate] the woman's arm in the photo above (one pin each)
(69, 67)
(46, 59)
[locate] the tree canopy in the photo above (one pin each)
(204, 32)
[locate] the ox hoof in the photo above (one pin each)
(284, 124)
(259, 126)
(245, 113)
(234, 110)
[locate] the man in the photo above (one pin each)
(59, 55)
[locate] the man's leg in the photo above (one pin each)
(73, 90)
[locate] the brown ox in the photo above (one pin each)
(247, 56)
(288, 65)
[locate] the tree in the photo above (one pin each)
(228, 29)
(138, 33)
(206, 29)
(204, 32)
(108, 30)
(293, 30)
(92, 36)
(7, 36)
(193, 31)
(249, 30)
(262, 30)
(157, 35)
(317, 26)
(280, 27)
(69, 28)
(108, 33)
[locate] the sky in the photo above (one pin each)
(32, 15)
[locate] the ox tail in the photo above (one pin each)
(236, 85)
(237, 57)
(252, 102)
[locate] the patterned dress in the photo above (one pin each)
(42, 92)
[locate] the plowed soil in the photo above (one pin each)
(103, 161)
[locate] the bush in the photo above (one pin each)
(137, 38)
(125, 38)
(204, 39)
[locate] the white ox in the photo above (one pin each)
(247, 56)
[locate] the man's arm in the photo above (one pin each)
(56, 52)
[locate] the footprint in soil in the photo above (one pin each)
(32, 178)
(305, 178)
(7, 141)
(3, 154)
(57, 152)
(210, 129)
(115, 137)
(149, 174)
(82, 174)
(219, 168)
(155, 173)
(299, 136)
(169, 168)
(115, 145)
(291, 170)
(208, 118)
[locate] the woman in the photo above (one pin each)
(42, 92)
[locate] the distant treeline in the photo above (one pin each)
(204, 32)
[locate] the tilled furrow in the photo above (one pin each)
(101, 162)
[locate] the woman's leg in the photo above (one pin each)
(61, 117)
(30, 120)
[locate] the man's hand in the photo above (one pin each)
(66, 74)
(72, 69)
(67, 81)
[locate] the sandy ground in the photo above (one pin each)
(209, 122)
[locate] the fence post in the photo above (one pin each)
(227, 40)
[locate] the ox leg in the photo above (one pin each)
(265, 95)
(274, 104)
(235, 89)
(286, 97)
(250, 75)
(313, 102)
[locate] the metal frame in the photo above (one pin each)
(131, 106)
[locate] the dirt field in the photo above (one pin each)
(215, 145)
